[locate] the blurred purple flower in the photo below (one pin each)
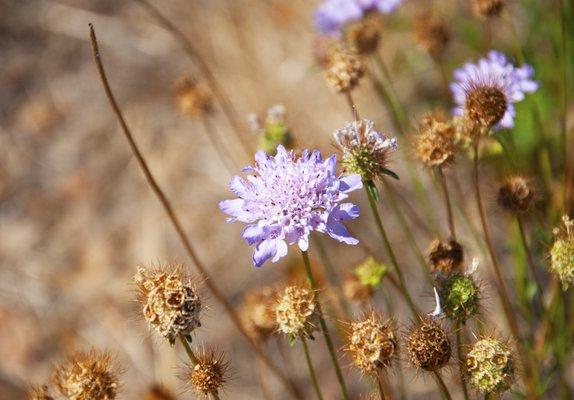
(332, 15)
(287, 198)
(494, 70)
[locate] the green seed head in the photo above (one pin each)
(562, 253)
(275, 133)
(370, 272)
(459, 295)
(490, 366)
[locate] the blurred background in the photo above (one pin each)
(77, 217)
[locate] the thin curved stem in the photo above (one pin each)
(311, 369)
(460, 356)
(530, 260)
(450, 215)
(442, 385)
(324, 328)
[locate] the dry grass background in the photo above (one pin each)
(76, 215)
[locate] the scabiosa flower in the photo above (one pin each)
(365, 151)
(562, 253)
(88, 376)
(287, 198)
(428, 345)
(490, 366)
(485, 92)
(209, 374)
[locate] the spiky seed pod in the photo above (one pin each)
(432, 34)
(459, 296)
(490, 366)
(192, 98)
(371, 344)
(562, 253)
(88, 376)
(258, 313)
(158, 392)
(209, 374)
(355, 290)
(169, 299)
(363, 35)
(344, 70)
(39, 393)
(296, 312)
(428, 345)
(488, 8)
(445, 256)
(516, 194)
(435, 143)
(485, 105)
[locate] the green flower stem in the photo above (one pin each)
(311, 369)
(459, 345)
(194, 360)
(324, 328)
(389, 249)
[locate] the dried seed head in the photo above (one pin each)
(258, 313)
(192, 98)
(88, 376)
(296, 312)
(516, 194)
(344, 70)
(485, 105)
(209, 374)
(39, 393)
(355, 290)
(459, 296)
(562, 253)
(432, 34)
(363, 35)
(445, 257)
(490, 366)
(371, 344)
(158, 392)
(488, 8)
(169, 301)
(435, 143)
(428, 346)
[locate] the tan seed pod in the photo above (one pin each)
(435, 143)
(344, 70)
(297, 312)
(258, 313)
(485, 105)
(488, 8)
(516, 194)
(428, 345)
(445, 256)
(431, 33)
(209, 374)
(192, 98)
(364, 35)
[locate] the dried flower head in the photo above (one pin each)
(209, 374)
(169, 300)
(273, 132)
(158, 392)
(488, 8)
(435, 143)
(445, 256)
(258, 313)
(287, 198)
(562, 253)
(39, 393)
(192, 98)
(371, 343)
(355, 290)
(428, 345)
(516, 194)
(297, 312)
(88, 376)
(490, 366)
(364, 35)
(344, 70)
(365, 151)
(459, 296)
(370, 272)
(485, 92)
(432, 34)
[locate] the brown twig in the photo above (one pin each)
(450, 215)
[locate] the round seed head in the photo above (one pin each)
(432, 34)
(355, 290)
(88, 376)
(459, 296)
(39, 393)
(371, 344)
(562, 253)
(488, 8)
(428, 346)
(363, 35)
(344, 70)
(192, 98)
(296, 312)
(485, 105)
(445, 256)
(169, 300)
(490, 366)
(516, 194)
(435, 143)
(258, 313)
(209, 374)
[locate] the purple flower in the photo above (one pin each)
(286, 198)
(497, 71)
(332, 15)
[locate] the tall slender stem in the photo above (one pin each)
(311, 369)
(194, 360)
(324, 328)
(390, 251)
(383, 387)
(175, 221)
(530, 261)
(445, 192)
(332, 276)
(442, 385)
(460, 356)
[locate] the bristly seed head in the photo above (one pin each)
(488, 8)
(297, 313)
(432, 34)
(363, 35)
(88, 376)
(258, 313)
(445, 256)
(169, 300)
(435, 143)
(209, 374)
(459, 296)
(192, 98)
(428, 345)
(485, 105)
(516, 194)
(371, 344)
(344, 70)
(490, 366)
(562, 253)
(39, 393)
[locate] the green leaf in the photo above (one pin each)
(390, 173)
(372, 189)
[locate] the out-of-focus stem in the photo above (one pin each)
(442, 385)
(446, 195)
(459, 345)
(530, 261)
(332, 276)
(381, 386)
(311, 369)
(324, 328)
(219, 146)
